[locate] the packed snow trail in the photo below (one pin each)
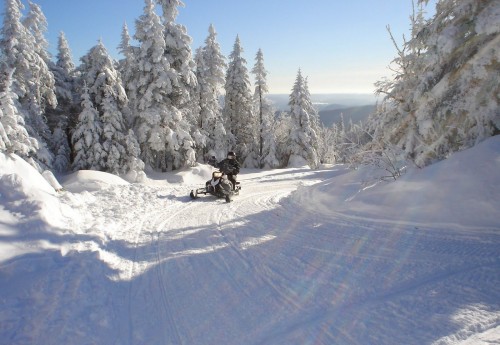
(148, 265)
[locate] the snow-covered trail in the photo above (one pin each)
(147, 265)
(208, 286)
(261, 271)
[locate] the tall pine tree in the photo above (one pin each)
(211, 67)
(161, 128)
(86, 138)
(265, 113)
(238, 114)
(303, 138)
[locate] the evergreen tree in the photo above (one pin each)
(13, 135)
(442, 98)
(32, 80)
(202, 138)
(265, 113)
(210, 67)
(64, 74)
(212, 79)
(241, 124)
(109, 97)
(113, 136)
(134, 166)
(126, 67)
(86, 137)
(102, 79)
(303, 139)
(179, 55)
(36, 22)
(64, 117)
(160, 126)
(43, 89)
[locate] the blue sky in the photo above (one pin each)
(342, 46)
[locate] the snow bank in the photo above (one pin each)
(90, 180)
(28, 204)
(462, 190)
(27, 194)
(196, 175)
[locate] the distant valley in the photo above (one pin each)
(330, 106)
(329, 116)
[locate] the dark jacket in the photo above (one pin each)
(229, 166)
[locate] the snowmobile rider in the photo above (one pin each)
(229, 166)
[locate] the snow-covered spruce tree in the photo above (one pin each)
(98, 72)
(445, 98)
(13, 135)
(184, 95)
(398, 109)
(65, 81)
(303, 139)
(32, 80)
(86, 137)
(265, 112)
(211, 67)
(113, 135)
(134, 166)
(64, 117)
(160, 126)
(107, 94)
(44, 85)
(461, 81)
(126, 67)
(36, 22)
(241, 124)
(201, 137)
(64, 73)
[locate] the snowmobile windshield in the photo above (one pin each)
(217, 174)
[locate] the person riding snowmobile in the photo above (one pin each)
(229, 166)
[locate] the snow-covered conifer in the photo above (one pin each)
(86, 137)
(101, 77)
(303, 139)
(265, 113)
(65, 86)
(36, 22)
(443, 97)
(241, 124)
(134, 166)
(13, 135)
(212, 79)
(64, 72)
(160, 126)
(179, 54)
(113, 135)
(127, 67)
(41, 92)
(203, 124)
(33, 82)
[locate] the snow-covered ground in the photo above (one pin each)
(301, 256)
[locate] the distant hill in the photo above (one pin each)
(331, 114)
(326, 101)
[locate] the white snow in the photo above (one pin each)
(327, 256)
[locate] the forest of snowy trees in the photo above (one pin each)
(161, 107)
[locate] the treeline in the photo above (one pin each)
(159, 107)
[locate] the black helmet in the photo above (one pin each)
(231, 155)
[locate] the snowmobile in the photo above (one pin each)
(219, 185)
